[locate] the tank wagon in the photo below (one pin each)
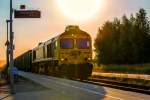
(68, 54)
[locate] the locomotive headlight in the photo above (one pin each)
(62, 59)
(89, 58)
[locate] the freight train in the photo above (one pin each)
(66, 55)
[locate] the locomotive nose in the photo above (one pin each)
(75, 53)
(75, 57)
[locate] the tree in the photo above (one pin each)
(125, 41)
(141, 38)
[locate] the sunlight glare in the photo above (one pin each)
(79, 10)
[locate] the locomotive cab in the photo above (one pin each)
(76, 51)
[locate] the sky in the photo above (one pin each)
(57, 14)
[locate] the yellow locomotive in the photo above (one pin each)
(66, 55)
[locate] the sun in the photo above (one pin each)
(79, 10)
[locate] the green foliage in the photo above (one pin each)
(124, 41)
(130, 69)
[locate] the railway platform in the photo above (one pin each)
(53, 88)
(22, 88)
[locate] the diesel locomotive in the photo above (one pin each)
(67, 55)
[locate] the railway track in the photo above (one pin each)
(118, 85)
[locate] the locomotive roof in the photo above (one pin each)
(71, 29)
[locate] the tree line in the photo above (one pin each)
(125, 40)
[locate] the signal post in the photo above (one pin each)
(11, 48)
(17, 14)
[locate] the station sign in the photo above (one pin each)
(27, 14)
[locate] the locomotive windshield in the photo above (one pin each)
(83, 43)
(66, 43)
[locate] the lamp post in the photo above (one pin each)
(11, 47)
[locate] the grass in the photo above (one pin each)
(131, 69)
(140, 82)
(2, 82)
(127, 69)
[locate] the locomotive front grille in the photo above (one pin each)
(75, 57)
(75, 53)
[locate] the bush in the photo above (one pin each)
(134, 69)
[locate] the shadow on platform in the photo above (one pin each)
(28, 90)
